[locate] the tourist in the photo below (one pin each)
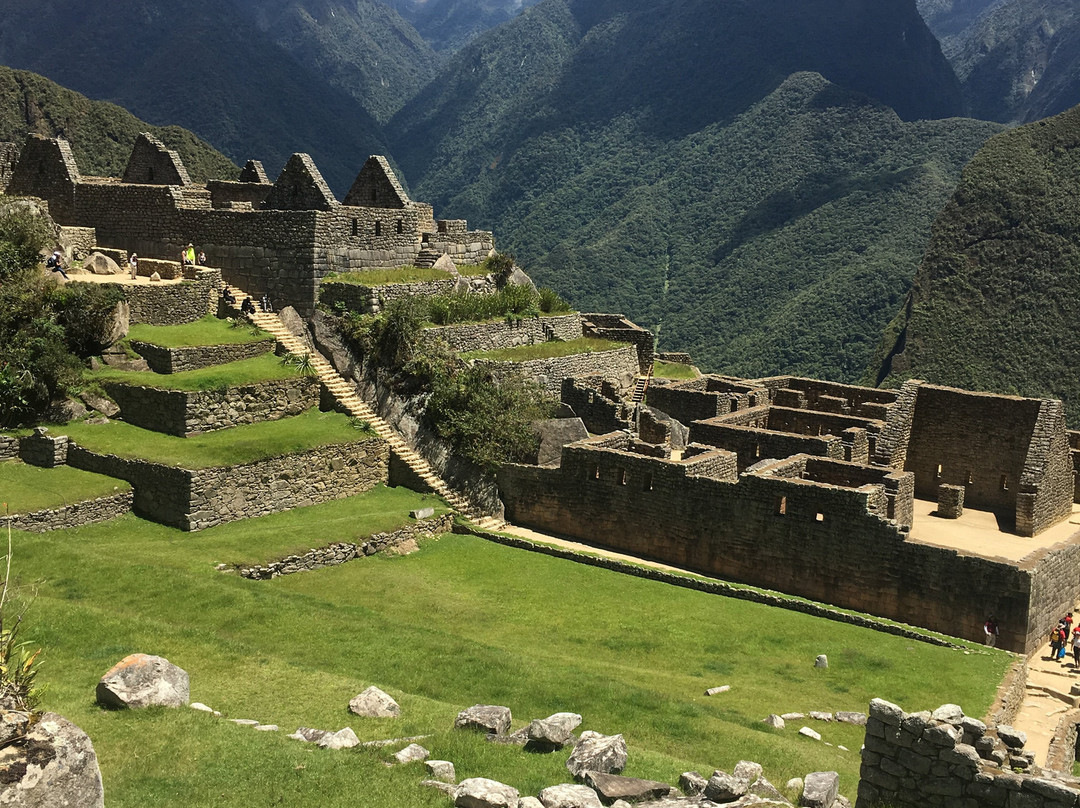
(247, 307)
(56, 264)
(202, 258)
(1055, 641)
(1064, 647)
(1076, 647)
(187, 256)
(265, 302)
(133, 264)
(228, 296)
(990, 629)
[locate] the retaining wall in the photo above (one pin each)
(365, 299)
(75, 515)
(508, 333)
(9, 447)
(177, 360)
(174, 303)
(184, 412)
(194, 500)
(549, 373)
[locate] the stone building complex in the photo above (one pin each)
(279, 238)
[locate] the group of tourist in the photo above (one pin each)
(248, 306)
(188, 257)
(1062, 636)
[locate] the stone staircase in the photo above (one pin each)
(641, 386)
(345, 394)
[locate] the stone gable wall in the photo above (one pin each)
(1046, 484)
(754, 445)
(178, 360)
(508, 333)
(152, 163)
(194, 500)
(77, 514)
(600, 413)
(850, 557)
(549, 373)
(185, 412)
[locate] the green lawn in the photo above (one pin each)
(207, 331)
(673, 370)
(225, 447)
(25, 489)
(263, 368)
(547, 350)
(461, 622)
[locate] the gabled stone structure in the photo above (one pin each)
(278, 239)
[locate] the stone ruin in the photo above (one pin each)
(279, 239)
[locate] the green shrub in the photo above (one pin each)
(550, 302)
(84, 310)
(24, 231)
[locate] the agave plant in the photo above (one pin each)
(19, 664)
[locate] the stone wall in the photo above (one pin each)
(617, 328)
(189, 412)
(753, 445)
(508, 333)
(596, 404)
(77, 242)
(43, 450)
(9, 447)
(174, 304)
(177, 360)
(705, 397)
(75, 515)
(369, 299)
(947, 759)
(549, 373)
(343, 552)
(9, 156)
(830, 543)
(194, 500)
(814, 394)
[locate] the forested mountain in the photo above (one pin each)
(101, 134)
(449, 24)
(656, 158)
(994, 304)
(361, 47)
(1018, 60)
(202, 65)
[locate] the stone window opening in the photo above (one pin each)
(734, 405)
(757, 450)
(596, 472)
(781, 506)
(620, 476)
(374, 195)
(400, 226)
(1005, 482)
(355, 227)
(150, 175)
(378, 228)
(646, 483)
(819, 517)
(970, 479)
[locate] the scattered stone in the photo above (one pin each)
(393, 741)
(202, 708)
(614, 787)
(441, 770)
(342, 739)
(517, 738)
(597, 753)
(1012, 738)
(446, 264)
(569, 796)
(411, 754)
(479, 792)
(142, 680)
(715, 691)
(793, 716)
(449, 789)
(747, 770)
(519, 278)
(692, 783)
(553, 732)
(822, 661)
(374, 703)
(819, 716)
(55, 766)
(245, 722)
(65, 409)
(422, 513)
(155, 277)
(308, 734)
(858, 719)
(820, 789)
(529, 802)
(794, 784)
(724, 787)
(809, 733)
(266, 728)
(948, 712)
(766, 790)
(775, 720)
(485, 718)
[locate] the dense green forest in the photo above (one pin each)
(101, 134)
(994, 304)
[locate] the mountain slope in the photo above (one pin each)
(101, 134)
(994, 305)
(197, 64)
(450, 24)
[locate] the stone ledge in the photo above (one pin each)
(77, 514)
(177, 360)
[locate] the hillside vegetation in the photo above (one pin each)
(994, 305)
(447, 25)
(101, 134)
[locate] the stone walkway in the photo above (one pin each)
(1046, 698)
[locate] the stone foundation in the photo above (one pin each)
(950, 501)
(174, 304)
(75, 515)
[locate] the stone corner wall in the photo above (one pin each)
(549, 373)
(9, 447)
(945, 758)
(177, 360)
(77, 514)
(174, 304)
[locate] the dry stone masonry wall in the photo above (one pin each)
(508, 333)
(174, 304)
(75, 515)
(616, 365)
(177, 360)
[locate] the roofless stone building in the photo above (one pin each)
(279, 238)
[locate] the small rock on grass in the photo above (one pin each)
(411, 754)
(716, 691)
(442, 770)
(374, 703)
(480, 792)
(809, 733)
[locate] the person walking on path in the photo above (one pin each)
(133, 264)
(1076, 647)
(1055, 641)
(990, 630)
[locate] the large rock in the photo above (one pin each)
(114, 326)
(518, 278)
(597, 753)
(105, 406)
(569, 796)
(612, 787)
(484, 718)
(374, 703)
(553, 732)
(292, 320)
(411, 754)
(820, 790)
(446, 264)
(329, 343)
(479, 792)
(554, 434)
(724, 787)
(101, 264)
(54, 767)
(142, 680)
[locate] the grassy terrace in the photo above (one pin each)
(264, 368)
(386, 277)
(437, 631)
(207, 331)
(26, 489)
(673, 370)
(547, 350)
(226, 447)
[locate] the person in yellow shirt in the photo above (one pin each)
(188, 255)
